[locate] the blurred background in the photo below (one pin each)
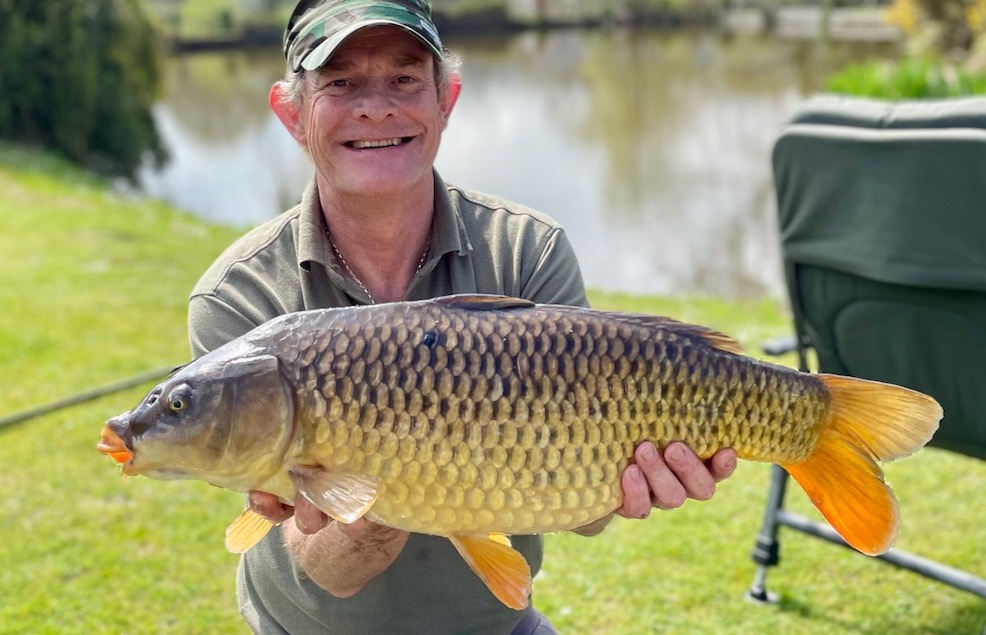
(643, 126)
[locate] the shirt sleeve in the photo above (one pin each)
(557, 278)
(212, 323)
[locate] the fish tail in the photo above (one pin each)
(870, 421)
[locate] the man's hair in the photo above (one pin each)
(293, 84)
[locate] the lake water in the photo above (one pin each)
(651, 148)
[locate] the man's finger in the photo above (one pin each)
(722, 464)
(636, 494)
(307, 517)
(667, 492)
(268, 506)
(689, 470)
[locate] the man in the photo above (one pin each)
(368, 93)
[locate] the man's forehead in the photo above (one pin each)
(392, 43)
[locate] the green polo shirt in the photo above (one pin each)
(480, 244)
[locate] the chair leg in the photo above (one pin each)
(766, 552)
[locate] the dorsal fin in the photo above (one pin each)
(711, 337)
(702, 334)
(479, 302)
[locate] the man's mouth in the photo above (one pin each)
(383, 143)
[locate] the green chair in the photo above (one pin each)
(882, 214)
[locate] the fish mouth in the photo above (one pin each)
(113, 445)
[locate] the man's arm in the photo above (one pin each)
(337, 557)
(342, 558)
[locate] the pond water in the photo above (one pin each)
(651, 148)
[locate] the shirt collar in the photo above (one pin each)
(448, 231)
(312, 242)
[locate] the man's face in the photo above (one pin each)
(370, 117)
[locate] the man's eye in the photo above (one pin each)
(406, 79)
(335, 84)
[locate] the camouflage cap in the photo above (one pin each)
(318, 27)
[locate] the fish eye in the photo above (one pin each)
(179, 399)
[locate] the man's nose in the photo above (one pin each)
(374, 101)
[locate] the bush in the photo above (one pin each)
(80, 77)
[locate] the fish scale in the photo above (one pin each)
(557, 398)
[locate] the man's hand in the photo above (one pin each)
(665, 482)
(342, 558)
(307, 518)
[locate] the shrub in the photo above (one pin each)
(907, 79)
(80, 77)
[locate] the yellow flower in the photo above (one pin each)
(975, 16)
(906, 15)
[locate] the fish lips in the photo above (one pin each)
(116, 441)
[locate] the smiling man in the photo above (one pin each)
(368, 93)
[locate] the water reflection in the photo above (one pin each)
(231, 160)
(652, 149)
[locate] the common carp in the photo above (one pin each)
(476, 417)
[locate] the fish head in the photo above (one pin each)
(224, 419)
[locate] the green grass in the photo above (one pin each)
(93, 288)
(907, 79)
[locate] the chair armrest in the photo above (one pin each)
(780, 346)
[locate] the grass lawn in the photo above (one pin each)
(93, 289)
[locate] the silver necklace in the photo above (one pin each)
(353, 275)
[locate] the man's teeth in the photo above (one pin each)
(360, 145)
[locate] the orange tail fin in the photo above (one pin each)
(501, 567)
(870, 422)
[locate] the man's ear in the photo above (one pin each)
(451, 96)
(287, 112)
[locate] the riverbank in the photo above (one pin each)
(864, 24)
(487, 18)
(794, 22)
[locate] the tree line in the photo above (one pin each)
(80, 77)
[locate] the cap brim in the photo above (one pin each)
(319, 55)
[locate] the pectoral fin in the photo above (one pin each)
(246, 531)
(501, 567)
(343, 497)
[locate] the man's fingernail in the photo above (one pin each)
(648, 452)
(675, 453)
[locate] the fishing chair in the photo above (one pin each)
(882, 214)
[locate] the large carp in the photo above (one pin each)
(473, 417)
